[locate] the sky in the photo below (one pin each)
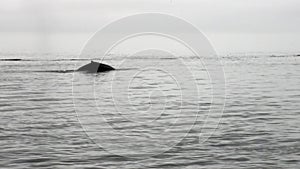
(232, 26)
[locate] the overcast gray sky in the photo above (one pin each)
(231, 25)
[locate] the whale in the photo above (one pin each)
(95, 67)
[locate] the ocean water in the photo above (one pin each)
(149, 114)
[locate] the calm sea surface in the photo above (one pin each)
(148, 114)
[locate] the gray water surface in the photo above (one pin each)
(40, 127)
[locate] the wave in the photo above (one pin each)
(146, 57)
(10, 59)
(85, 59)
(46, 60)
(72, 70)
(55, 71)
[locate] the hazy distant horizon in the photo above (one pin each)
(233, 26)
(72, 43)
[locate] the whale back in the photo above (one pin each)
(95, 67)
